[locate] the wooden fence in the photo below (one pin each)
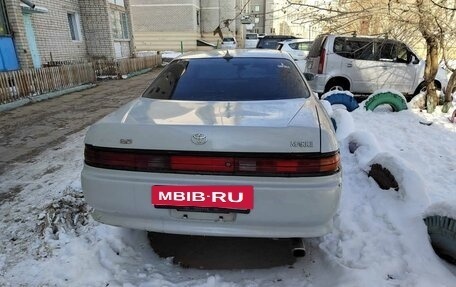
(123, 67)
(26, 83)
(17, 85)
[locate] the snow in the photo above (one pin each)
(379, 238)
(444, 208)
(330, 93)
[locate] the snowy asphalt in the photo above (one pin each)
(31, 129)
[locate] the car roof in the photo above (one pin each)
(288, 41)
(279, 37)
(351, 36)
(236, 53)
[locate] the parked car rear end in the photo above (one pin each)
(228, 43)
(251, 40)
(220, 144)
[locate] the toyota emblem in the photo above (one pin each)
(199, 139)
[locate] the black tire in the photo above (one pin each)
(337, 85)
(442, 232)
(422, 85)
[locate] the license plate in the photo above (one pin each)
(237, 197)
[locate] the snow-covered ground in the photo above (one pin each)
(379, 239)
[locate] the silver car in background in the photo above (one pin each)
(229, 43)
(365, 64)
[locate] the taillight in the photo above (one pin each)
(300, 166)
(201, 163)
(213, 163)
(125, 160)
(321, 64)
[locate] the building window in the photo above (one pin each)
(117, 2)
(4, 28)
(75, 27)
(197, 17)
(119, 22)
(257, 20)
(257, 8)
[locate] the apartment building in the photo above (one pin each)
(291, 19)
(178, 24)
(36, 33)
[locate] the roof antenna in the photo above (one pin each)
(227, 56)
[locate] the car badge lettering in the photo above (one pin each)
(199, 139)
(301, 144)
(126, 141)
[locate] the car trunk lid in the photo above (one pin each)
(253, 126)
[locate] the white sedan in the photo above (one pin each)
(222, 143)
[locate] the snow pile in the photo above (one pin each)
(344, 122)
(327, 106)
(443, 208)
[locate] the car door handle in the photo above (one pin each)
(349, 65)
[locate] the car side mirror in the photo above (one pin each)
(413, 59)
(309, 76)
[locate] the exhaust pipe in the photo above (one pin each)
(297, 247)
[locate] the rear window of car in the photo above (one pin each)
(251, 36)
(271, 42)
(233, 79)
(303, 46)
(228, 39)
(316, 47)
(355, 48)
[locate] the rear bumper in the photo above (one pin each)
(283, 207)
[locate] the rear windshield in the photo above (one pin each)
(270, 43)
(228, 39)
(237, 79)
(317, 44)
(303, 46)
(251, 36)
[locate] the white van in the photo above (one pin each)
(364, 64)
(251, 40)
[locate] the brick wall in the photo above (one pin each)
(17, 27)
(163, 24)
(163, 18)
(97, 28)
(52, 31)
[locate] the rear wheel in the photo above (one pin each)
(422, 88)
(338, 84)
